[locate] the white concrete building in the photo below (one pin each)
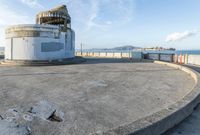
(50, 39)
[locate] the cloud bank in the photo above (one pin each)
(177, 36)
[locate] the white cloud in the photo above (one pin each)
(94, 13)
(10, 17)
(180, 36)
(32, 3)
(101, 13)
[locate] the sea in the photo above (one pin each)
(163, 52)
(197, 52)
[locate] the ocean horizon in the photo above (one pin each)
(197, 52)
(163, 52)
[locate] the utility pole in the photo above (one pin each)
(81, 49)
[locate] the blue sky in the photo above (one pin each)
(110, 23)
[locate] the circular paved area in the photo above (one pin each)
(93, 96)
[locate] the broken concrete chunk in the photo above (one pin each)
(28, 117)
(43, 109)
(60, 114)
(1, 117)
(15, 121)
(56, 117)
(12, 128)
(12, 115)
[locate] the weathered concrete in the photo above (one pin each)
(76, 60)
(11, 128)
(189, 126)
(93, 97)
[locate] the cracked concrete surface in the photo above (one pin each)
(94, 96)
(16, 121)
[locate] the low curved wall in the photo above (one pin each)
(75, 60)
(167, 118)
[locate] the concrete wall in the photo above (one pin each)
(181, 59)
(166, 57)
(187, 59)
(193, 59)
(161, 57)
(134, 55)
(137, 55)
(38, 42)
(154, 56)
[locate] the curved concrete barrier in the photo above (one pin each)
(165, 119)
(76, 60)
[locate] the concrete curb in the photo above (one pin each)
(165, 119)
(76, 60)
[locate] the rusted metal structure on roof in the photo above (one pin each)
(56, 16)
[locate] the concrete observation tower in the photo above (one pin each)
(50, 39)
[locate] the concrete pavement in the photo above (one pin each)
(86, 98)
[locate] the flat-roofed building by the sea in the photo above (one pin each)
(51, 38)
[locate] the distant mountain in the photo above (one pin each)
(121, 48)
(128, 47)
